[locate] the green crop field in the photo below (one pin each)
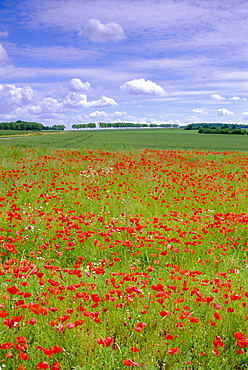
(173, 139)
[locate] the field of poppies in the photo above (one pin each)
(117, 260)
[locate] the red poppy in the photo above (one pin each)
(106, 342)
(43, 365)
(128, 362)
(172, 351)
(23, 355)
(140, 326)
(134, 349)
(56, 366)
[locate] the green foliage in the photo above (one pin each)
(224, 129)
(21, 125)
(121, 125)
(84, 125)
(217, 128)
(134, 125)
(54, 128)
(28, 126)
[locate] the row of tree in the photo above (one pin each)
(133, 125)
(214, 126)
(28, 126)
(83, 125)
(21, 125)
(119, 125)
(222, 130)
(54, 128)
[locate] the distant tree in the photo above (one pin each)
(58, 127)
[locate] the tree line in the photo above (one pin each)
(222, 130)
(28, 126)
(83, 125)
(120, 125)
(218, 128)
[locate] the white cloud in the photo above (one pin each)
(199, 111)
(98, 114)
(237, 98)
(107, 116)
(142, 86)
(217, 97)
(24, 101)
(47, 105)
(76, 84)
(12, 96)
(97, 31)
(75, 100)
(119, 114)
(224, 112)
(104, 102)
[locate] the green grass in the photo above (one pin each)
(111, 140)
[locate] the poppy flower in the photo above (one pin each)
(172, 351)
(134, 349)
(106, 342)
(140, 326)
(43, 365)
(128, 362)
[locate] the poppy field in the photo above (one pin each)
(123, 260)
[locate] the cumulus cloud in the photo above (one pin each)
(98, 114)
(142, 86)
(199, 111)
(237, 98)
(107, 116)
(99, 32)
(217, 97)
(12, 96)
(47, 105)
(75, 100)
(119, 114)
(224, 112)
(24, 101)
(76, 84)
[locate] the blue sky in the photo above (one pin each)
(143, 61)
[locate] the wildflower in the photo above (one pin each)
(43, 365)
(140, 326)
(128, 362)
(106, 342)
(172, 351)
(164, 313)
(134, 349)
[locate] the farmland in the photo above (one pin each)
(110, 140)
(117, 254)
